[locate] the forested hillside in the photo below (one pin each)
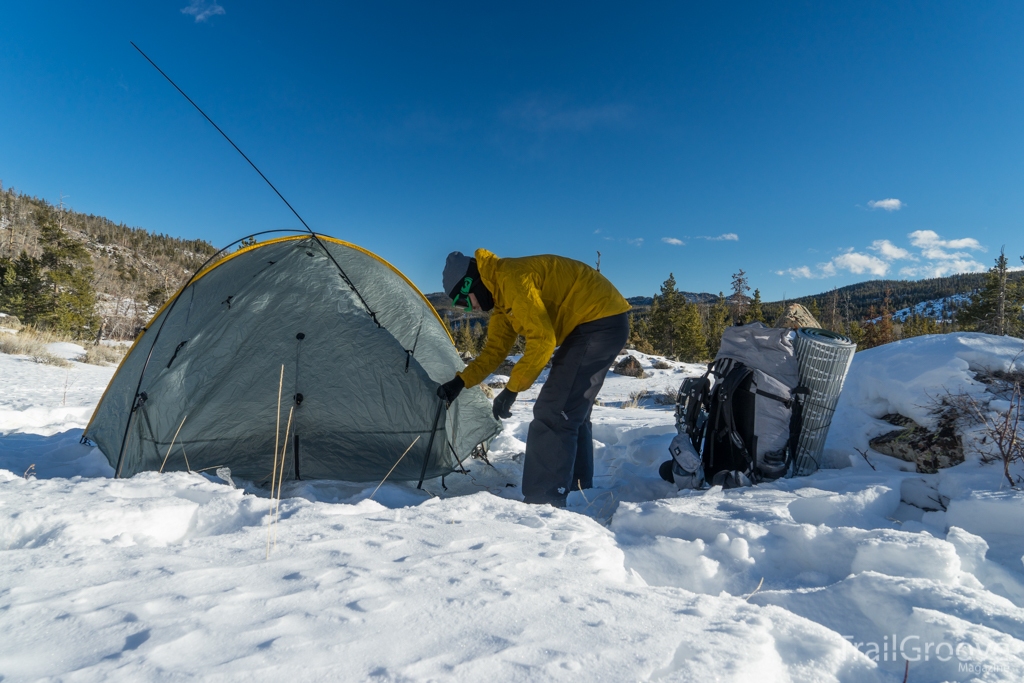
(54, 259)
(856, 301)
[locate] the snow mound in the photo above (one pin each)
(909, 377)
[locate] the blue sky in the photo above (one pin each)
(811, 144)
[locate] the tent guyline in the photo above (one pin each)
(344, 276)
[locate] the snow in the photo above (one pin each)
(940, 309)
(806, 579)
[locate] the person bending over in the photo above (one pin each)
(552, 301)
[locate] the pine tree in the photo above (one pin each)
(918, 325)
(739, 298)
(880, 331)
(692, 345)
(831, 319)
(996, 308)
(8, 287)
(715, 324)
(479, 336)
(756, 312)
(815, 310)
(664, 318)
(855, 331)
(23, 290)
(72, 306)
(639, 333)
(464, 341)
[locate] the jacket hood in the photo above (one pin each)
(487, 264)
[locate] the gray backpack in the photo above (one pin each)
(740, 422)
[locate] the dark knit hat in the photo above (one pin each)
(455, 268)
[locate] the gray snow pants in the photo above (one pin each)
(559, 445)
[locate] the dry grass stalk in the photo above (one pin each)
(173, 439)
(634, 399)
(32, 343)
(273, 467)
(280, 474)
(393, 468)
(99, 354)
(761, 583)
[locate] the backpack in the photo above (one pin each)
(740, 422)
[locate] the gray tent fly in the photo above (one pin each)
(362, 354)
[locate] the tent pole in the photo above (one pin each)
(430, 442)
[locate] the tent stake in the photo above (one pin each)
(430, 442)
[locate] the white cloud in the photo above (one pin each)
(724, 237)
(673, 240)
(890, 251)
(886, 204)
(202, 10)
(943, 268)
(934, 248)
(934, 257)
(859, 264)
(636, 241)
(802, 271)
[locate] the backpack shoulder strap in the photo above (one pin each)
(727, 419)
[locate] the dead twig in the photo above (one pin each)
(864, 454)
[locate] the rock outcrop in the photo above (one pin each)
(796, 316)
(929, 450)
(629, 366)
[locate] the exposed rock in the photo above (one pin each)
(506, 367)
(629, 366)
(11, 322)
(796, 316)
(929, 450)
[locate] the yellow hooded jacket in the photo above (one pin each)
(543, 298)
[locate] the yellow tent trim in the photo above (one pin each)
(244, 250)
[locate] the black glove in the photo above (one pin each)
(503, 404)
(449, 391)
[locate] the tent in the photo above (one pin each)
(362, 350)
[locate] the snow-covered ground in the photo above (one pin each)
(808, 579)
(940, 309)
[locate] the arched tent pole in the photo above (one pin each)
(166, 314)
